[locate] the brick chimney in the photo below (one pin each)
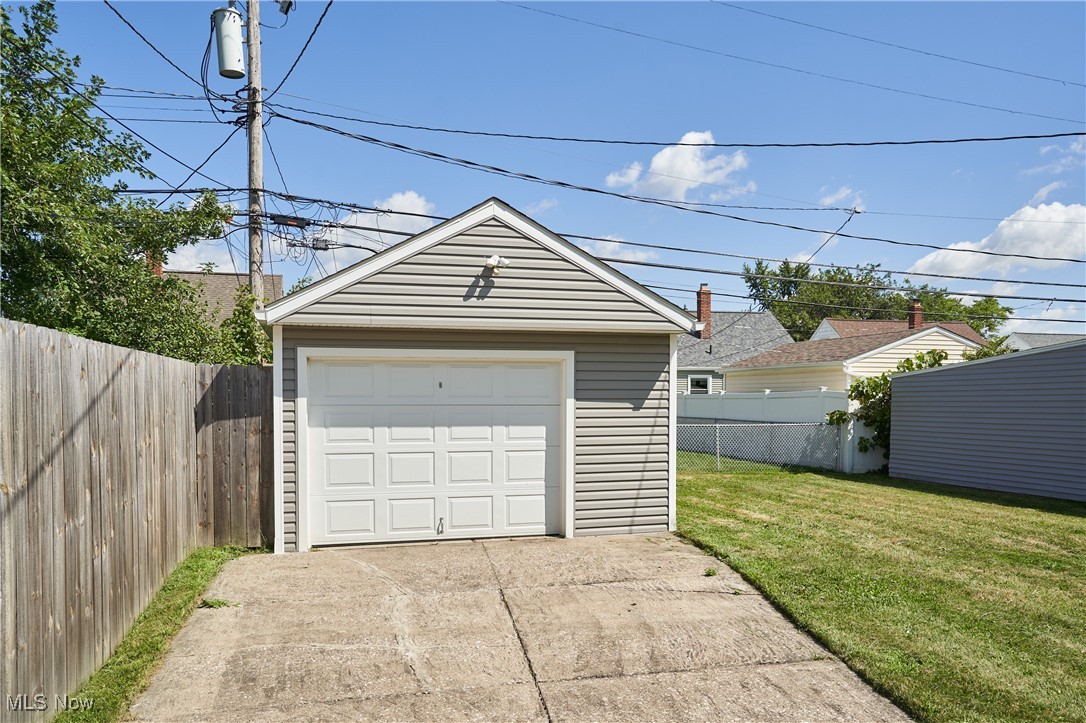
(916, 315)
(705, 311)
(155, 266)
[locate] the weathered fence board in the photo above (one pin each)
(114, 464)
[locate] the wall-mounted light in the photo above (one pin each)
(497, 263)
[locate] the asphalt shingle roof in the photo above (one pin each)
(736, 335)
(824, 350)
(1033, 340)
(219, 289)
(863, 327)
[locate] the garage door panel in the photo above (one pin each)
(345, 472)
(410, 425)
(348, 518)
(347, 425)
(474, 514)
(411, 469)
(409, 380)
(471, 468)
(417, 515)
(428, 450)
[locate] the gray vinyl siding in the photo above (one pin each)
(1015, 423)
(621, 415)
(441, 288)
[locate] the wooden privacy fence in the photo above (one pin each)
(115, 464)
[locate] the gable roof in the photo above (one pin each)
(836, 351)
(1035, 340)
(863, 327)
(219, 290)
(736, 336)
(492, 209)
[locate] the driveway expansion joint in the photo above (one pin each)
(520, 638)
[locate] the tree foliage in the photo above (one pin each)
(801, 307)
(77, 252)
(873, 397)
(996, 346)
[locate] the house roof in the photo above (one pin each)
(828, 351)
(863, 327)
(491, 209)
(1034, 340)
(736, 335)
(220, 289)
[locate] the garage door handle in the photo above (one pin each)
(441, 525)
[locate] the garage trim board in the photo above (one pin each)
(307, 356)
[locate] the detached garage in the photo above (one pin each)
(483, 378)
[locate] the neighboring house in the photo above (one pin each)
(1020, 340)
(1014, 423)
(842, 328)
(725, 338)
(220, 290)
(836, 363)
(484, 378)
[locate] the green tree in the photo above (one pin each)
(76, 252)
(801, 307)
(873, 397)
(996, 346)
(242, 340)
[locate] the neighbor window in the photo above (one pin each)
(699, 384)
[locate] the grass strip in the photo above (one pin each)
(957, 604)
(127, 673)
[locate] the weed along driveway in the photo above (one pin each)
(599, 628)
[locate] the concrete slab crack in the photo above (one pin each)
(520, 638)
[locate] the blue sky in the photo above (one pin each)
(491, 66)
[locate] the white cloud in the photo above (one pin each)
(374, 241)
(626, 177)
(1018, 234)
(832, 198)
(1054, 312)
(613, 249)
(676, 170)
(1044, 192)
(541, 206)
(1068, 158)
(192, 258)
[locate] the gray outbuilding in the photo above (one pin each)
(1013, 423)
(485, 378)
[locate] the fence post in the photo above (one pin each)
(717, 428)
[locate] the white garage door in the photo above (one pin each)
(406, 450)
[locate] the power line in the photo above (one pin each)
(664, 144)
(203, 163)
(871, 308)
(826, 282)
(167, 120)
(622, 242)
(151, 45)
(830, 237)
(300, 54)
(495, 170)
(899, 47)
(780, 66)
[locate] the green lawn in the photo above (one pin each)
(959, 605)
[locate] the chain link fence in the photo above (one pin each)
(735, 446)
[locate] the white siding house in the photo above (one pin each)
(433, 392)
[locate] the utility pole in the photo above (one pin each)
(255, 127)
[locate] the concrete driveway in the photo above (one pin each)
(604, 628)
